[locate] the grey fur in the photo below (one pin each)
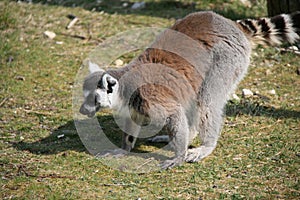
(187, 98)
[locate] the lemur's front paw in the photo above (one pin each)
(116, 153)
(168, 164)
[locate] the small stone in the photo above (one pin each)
(20, 78)
(293, 48)
(61, 136)
(138, 5)
(49, 34)
(273, 92)
(119, 62)
(268, 72)
(247, 93)
(235, 97)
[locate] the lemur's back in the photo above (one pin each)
(194, 46)
(209, 28)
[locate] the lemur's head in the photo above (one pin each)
(98, 90)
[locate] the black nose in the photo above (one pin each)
(85, 111)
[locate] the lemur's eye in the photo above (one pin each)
(110, 84)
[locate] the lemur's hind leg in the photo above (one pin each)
(211, 101)
(230, 65)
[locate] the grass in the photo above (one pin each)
(257, 155)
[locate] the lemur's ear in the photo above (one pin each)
(109, 82)
(93, 67)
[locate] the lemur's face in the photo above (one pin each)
(98, 89)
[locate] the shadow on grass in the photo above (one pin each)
(164, 8)
(66, 138)
(252, 108)
(62, 139)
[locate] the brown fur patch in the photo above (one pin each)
(175, 62)
(198, 27)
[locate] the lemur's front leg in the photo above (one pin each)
(130, 134)
(179, 130)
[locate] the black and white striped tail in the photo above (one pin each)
(272, 31)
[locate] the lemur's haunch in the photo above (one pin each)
(185, 87)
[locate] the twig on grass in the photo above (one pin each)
(22, 168)
(74, 36)
(117, 184)
(3, 101)
(72, 23)
(86, 38)
(145, 163)
(36, 112)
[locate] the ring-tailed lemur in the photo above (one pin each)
(187, 95)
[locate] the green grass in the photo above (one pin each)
(257, 156)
